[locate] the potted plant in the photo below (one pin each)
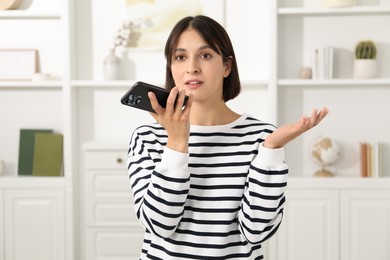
(365, 65)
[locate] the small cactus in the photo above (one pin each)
(365, 50)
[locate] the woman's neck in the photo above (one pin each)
(219, 114)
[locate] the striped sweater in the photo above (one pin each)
(219, 201)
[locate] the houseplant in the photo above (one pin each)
(365, 65)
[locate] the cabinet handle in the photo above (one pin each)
(119, 160)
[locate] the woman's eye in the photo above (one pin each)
(180, 58)
(205, 56)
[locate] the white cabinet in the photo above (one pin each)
(2, 233)
(111, 228)
(310, 226)
(32, 221)
(366, 224)
(330, 219)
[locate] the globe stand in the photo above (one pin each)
(323, 173)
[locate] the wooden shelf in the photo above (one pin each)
(106, 84)
(30, 84)
(128, 83)
(358, 10)
(22, 14)
(334, 82)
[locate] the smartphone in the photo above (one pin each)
(137, 96)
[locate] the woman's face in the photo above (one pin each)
(198, 69)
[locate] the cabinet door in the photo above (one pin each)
(113, 243)
(365, 224)
(112, 231)
(2, 253)
(310, 227)
(34, 224)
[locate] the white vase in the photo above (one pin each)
(365, 68)
(111, 66)
(340, 3)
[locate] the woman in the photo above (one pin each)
(207, 182)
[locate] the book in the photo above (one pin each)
(26, 149)
(363, 159)
(323, 62)
(48, 154)
(376, 153)
(371, 160)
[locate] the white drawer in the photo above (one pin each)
(111, 212)
(105, 183)
(113, 159)
(113, 244)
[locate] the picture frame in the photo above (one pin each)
(18, 64)
(151, 22)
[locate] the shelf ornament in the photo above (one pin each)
(365, 65)
(325, 152)
(9, 4)
(129, 33)
(126, 36)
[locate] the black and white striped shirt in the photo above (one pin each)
(219, 201)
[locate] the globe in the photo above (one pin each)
(325, 152)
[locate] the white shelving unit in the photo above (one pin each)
(299, 29)
(37, 206)
(324, 218)
(83, 107)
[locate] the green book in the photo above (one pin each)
(26, 149)
(48, 154)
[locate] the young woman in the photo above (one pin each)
(207, 182)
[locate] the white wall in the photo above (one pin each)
(247, 25)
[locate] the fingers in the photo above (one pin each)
(188, 105)
(315, 118)
(154, 102)
(320, 115)
(174, 106)
(170, 108)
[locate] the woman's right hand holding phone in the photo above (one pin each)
(174, 118)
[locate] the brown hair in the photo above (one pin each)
(217, 38)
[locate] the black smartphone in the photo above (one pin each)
(137, 96)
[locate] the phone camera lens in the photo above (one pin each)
(134, 99)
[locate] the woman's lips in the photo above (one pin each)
(193, 84)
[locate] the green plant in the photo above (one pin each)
(365, 50)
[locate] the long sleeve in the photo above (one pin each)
(263, 201)
(160, 186)
(219, 201)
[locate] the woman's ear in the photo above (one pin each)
(228, 66)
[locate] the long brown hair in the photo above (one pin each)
(217, 38)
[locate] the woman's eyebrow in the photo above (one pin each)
(200, 48)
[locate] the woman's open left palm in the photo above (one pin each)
(289, 132)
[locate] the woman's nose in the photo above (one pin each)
(193, 66)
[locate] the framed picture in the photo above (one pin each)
(152, 20)
(18, 64)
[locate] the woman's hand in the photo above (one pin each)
(175, 119)
(287, 133)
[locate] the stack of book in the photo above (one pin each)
(40, 153)
(370, 159)
(323, 62)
